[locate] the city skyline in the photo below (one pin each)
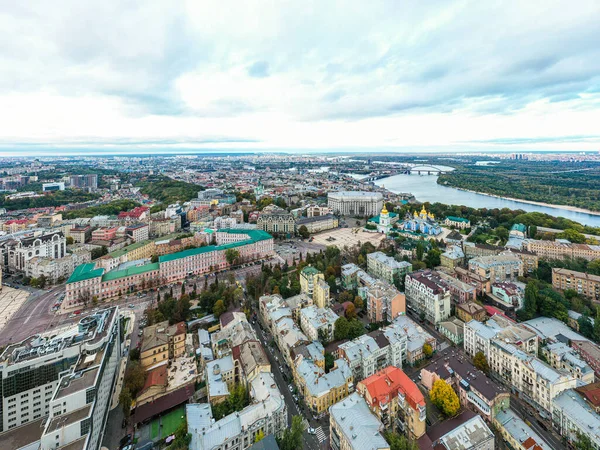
(446, 76)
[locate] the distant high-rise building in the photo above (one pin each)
(84, 181)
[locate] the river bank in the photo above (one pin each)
(530, 202)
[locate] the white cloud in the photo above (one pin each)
(332, 75)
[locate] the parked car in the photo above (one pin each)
(312, 431)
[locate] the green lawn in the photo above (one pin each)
(170, 423)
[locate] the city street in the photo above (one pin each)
(278, 367)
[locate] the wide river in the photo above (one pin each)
(426, 189)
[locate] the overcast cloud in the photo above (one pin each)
(472, 75)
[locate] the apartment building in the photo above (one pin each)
(584, 284)
(478, 335)
(265, 415)
(518, 434)
(470, 311)
(460, 292)
(318, 323)
(138, 232)
(426, 295)
(572, 416)
(504, 267)
(89, 181)
(561, 249)
(57, 387)
(312, 283)
(352, 426)
(395, 400)
(560, 356)
(235, 330)
(534, 381)
(104, 234)
(55, 269)
(386, 267)
(475, 390)
(251, 359)
(88, 280)
(220, 376)
(321, 390)
(473, 434)
(384, 302)
(162, 343)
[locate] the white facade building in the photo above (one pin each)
(355, 203)
(427, 297)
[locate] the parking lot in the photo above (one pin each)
(350, 237)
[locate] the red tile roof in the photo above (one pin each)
(388, 382)
(156, 377)
(491, 311)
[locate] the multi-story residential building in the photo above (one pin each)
(318, 323)
(316, 224)
(473, 250)
(478, 335)
(534, 380)
(509, 296)
(561, 249)
(530, 259)
(560, 356)
(470, 311)
(583, 283)
(266, 415)
(453, 330)
(505, 267)
(481, 284)
(312, 283)
(138, 232)
(89, 181)
(452, 257)
(104, 234)
(251, 359)
(384, 302)
(517, 434)
(138, 214)
(49, 220)
(55, 269)
(352, 426)
(162, 343)
(473, 435)
(590, 353)
(396, 401)
(235, 330)
(321, 390)
(427, 296)
(88, 280)
(81, 233)
(17, 253)
(355, 203)
(475, 390)
(386, 267)
(457, 222)
(460, 292)
(276, 221)
(57, 387)
(220, 376)
(572, 416)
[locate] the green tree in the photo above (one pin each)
(329, 362)
(597, 326)
(433, 258)
(341, 329)
(154, 259)
(427, 350)
(583, 442)
(231, 255)
(292, 437)
(358, 302)
(125, 399)
(480, 361)
(420, 250)
(351, 311)
(572, 235)
(135, 377)
(444, 398)
(399, 441)
(69, 240)
(303, 231)
(219, 308)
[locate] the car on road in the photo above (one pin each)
(311, 430)
(291, 388)
(125, 441)
(131, 305)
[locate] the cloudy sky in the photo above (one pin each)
(304, 75)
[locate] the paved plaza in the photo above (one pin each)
(10, 302)
(350, 237)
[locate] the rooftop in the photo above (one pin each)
(58, 422)
(388, 383)
(85, 272)
(469, 435)
(24, 435)
(520, 431)
(578, 411)
(360, 427)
